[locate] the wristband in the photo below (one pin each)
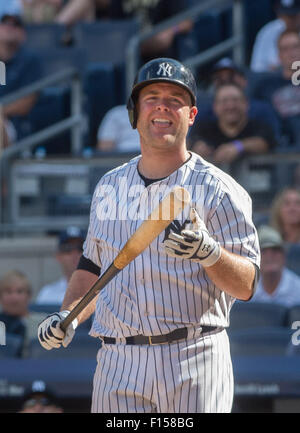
(239, 146)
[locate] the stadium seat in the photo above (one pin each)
(209, 23)
(105, 41)
(257, 314)
(44, 308)
(53, 106)
(68, 205)
(56, 59)
(99, 86)
(196, 41)
(260, 341)
(82, 346)
(45, 35)
(13, 346)
(293, 315)
(256, 15)
(293, 258)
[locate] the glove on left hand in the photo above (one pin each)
(195, 244)
(49, 333)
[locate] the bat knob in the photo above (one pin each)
(182, 195)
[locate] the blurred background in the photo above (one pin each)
(66, 70)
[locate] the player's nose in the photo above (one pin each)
(162, 105)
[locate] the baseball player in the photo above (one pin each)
(162, 320)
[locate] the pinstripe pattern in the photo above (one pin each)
(156, 294)
(185, 377)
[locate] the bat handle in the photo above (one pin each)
(108, 275)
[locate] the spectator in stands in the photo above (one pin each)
(296, 177)
(15, 298)
(232, 135)
(225, 71)
(22, 68)
(40, 11)
(65, 12)
(278, 88)
(115, 133)
(265, 50)
(149, 14)
(285, 214)
(277, 283)
(39, 398)
(82, 10)
(69, 251)
(5, 136)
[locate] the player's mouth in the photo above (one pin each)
(161, 123)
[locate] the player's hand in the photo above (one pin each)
(51, 335)
(195, 244)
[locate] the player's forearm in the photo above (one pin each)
(233, 274)
(80, 282)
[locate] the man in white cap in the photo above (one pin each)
(277, 284)
(69, 251)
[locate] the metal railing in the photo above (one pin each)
(74, 123)
(236, 42)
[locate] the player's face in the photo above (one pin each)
(164, 115)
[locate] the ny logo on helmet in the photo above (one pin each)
(165, 69)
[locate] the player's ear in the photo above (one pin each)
(193, 114)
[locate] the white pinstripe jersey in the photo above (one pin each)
(155, 293)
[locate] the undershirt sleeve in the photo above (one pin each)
(87, 265)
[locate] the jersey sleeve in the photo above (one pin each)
(231, 224)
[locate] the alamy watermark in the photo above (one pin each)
(123, 201)
(296, 74)
(2, 334)
(296, 335)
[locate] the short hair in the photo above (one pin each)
(285, 33)
(221, 86)
(11, 276)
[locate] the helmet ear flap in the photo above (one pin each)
(132, 114)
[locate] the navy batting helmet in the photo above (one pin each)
(156, 71)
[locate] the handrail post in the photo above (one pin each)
(76, 107)
(236, 42)
(132, 60)
(1, 168)
(238, 31)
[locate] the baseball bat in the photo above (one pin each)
(157, 221)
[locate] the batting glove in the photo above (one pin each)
(195, 244)
(51, 335)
